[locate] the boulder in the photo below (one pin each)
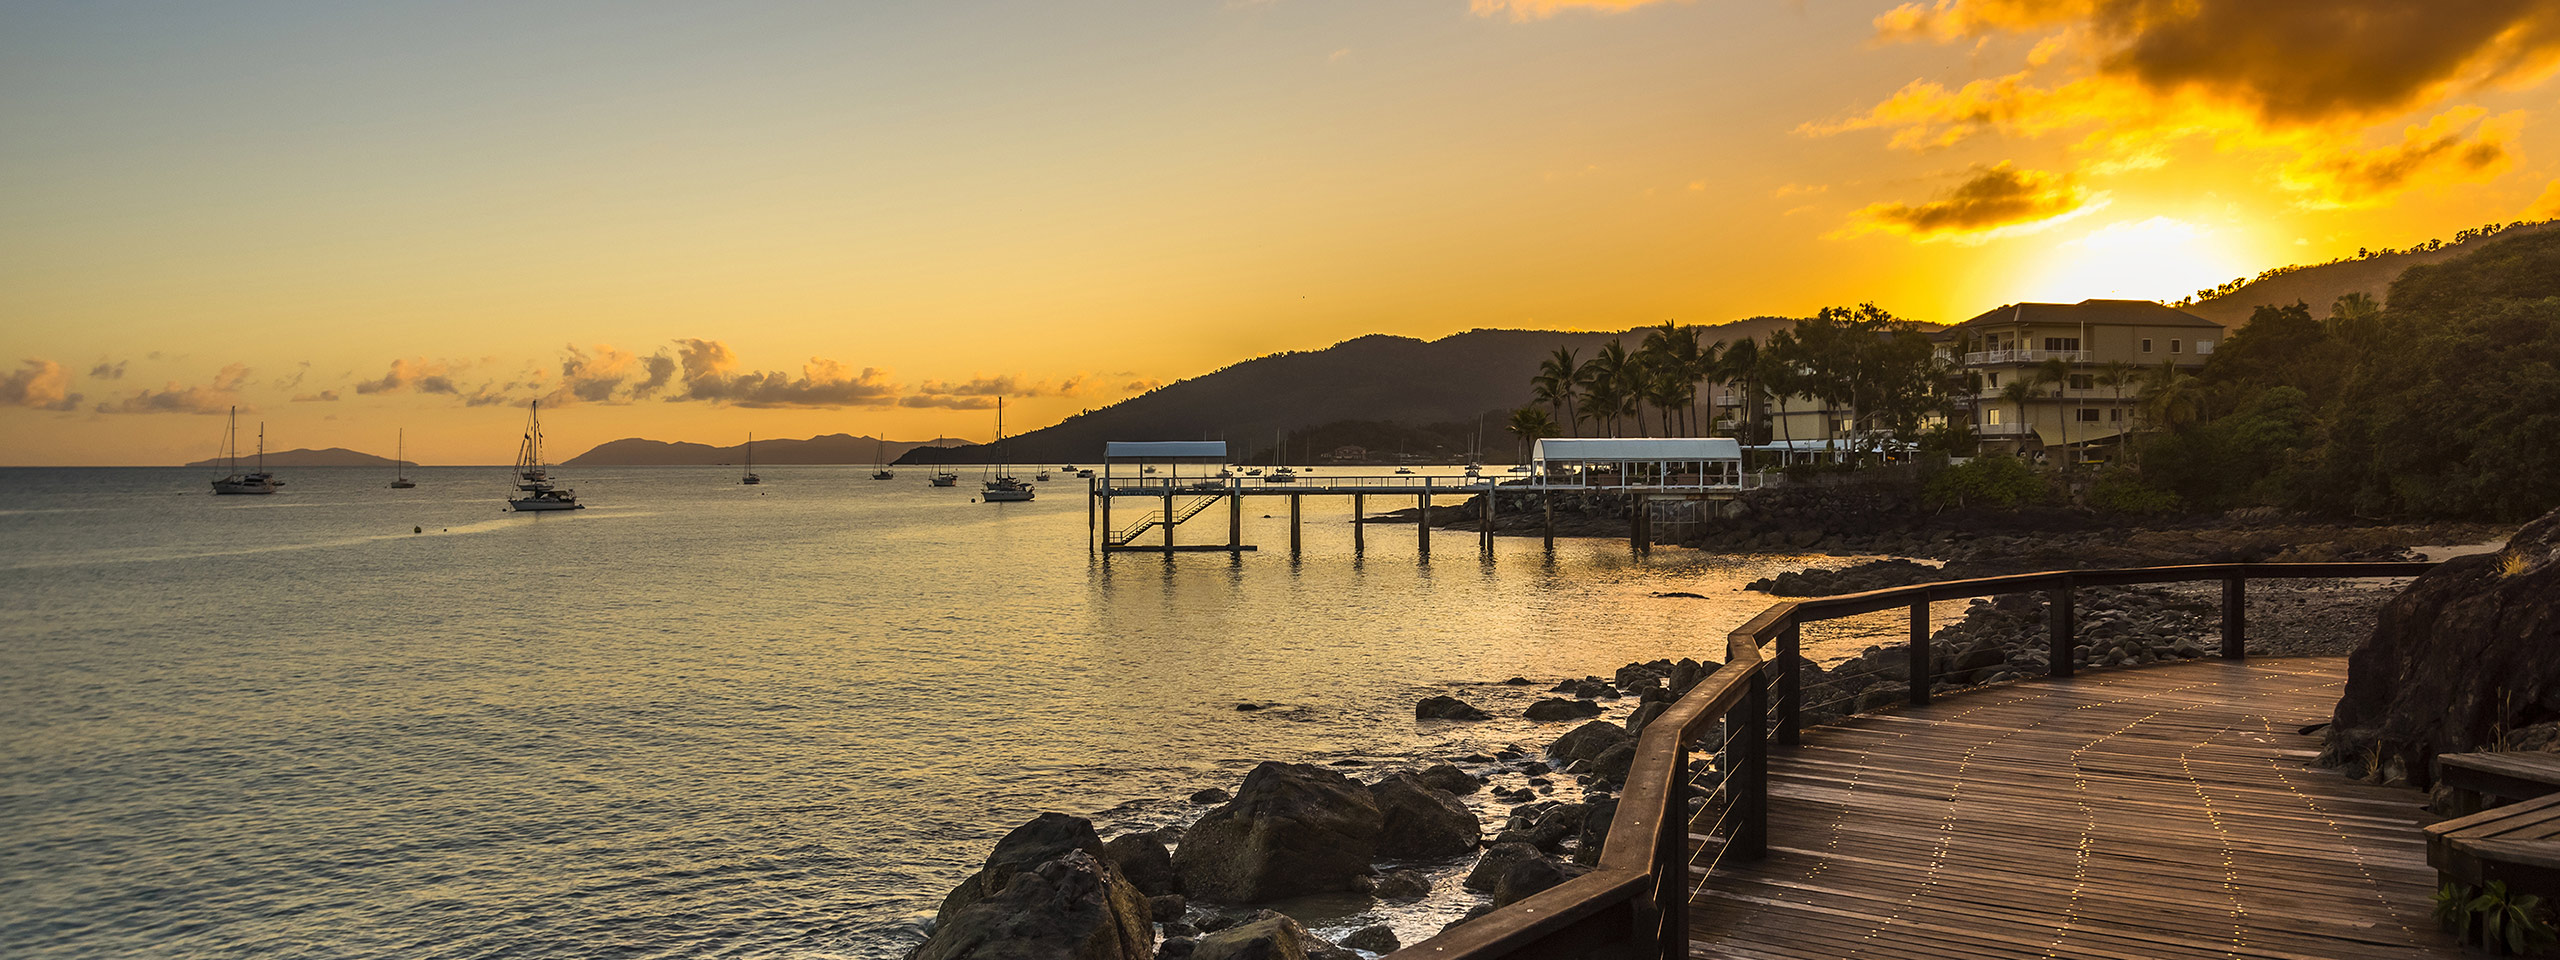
(1144, 860)
(1073, 907)
(1587, 741)
(1526, 877)
(1212, 795)
(1375, 938)
(1497, 859)
(1420, 822)
(1593, 839)
(1611, 765)
(1268, 936)
(1404, 886)
(1167, 908)
(1292, 829)
(1047, 837)
(1176, 948)
(1644, 715)
(1442, 776)
(1448, 708)
(2462, 655)
(1553, 709)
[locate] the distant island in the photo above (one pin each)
(834, 448)
(332, 457)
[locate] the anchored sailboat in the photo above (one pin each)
(255, 481)
(750, 478)
(880, 458)
(1004, 488)
(533, 477)
(400, 464)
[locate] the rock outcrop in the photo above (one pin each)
(1292, 829)
(1072, 907)
(1587, 741)
(1448, 708)
(2465, 654)
(1047, 837)
(1420, 822)
(1557, 708)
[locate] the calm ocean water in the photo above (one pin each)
(697, 719)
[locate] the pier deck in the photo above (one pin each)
(2166, 812)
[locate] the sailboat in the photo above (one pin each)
(533, 477)
(1004, 488)
(751, 479)
(943, 477)
(400, 464)
(880, 456)
(255, 481)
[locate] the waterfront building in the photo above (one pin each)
(2098, 349)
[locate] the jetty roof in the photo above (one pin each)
(1637, 449)
(1207, 451)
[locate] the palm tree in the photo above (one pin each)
(1740, 365)
(2018, 392)
(1530, 424)
(1607, 380)
(2057, 371)
(1558, 377)
(2115, 376)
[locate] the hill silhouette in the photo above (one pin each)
(331, 457)
(1376, 378)
(2322, 284)
(832, 448)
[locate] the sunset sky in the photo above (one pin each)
(688, 220)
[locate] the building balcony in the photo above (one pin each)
(2003, 429)
(1980, 358)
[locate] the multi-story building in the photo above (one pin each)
(2103, 348)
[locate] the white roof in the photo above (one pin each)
(1209, 450)
(1840, 444)
(1638, 448)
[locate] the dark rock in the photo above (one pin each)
(1144, 860)
(1248, 707)
(1268, 936)
(1498, 858)
(1047, 837)
(1587, 741)
(1348, 763)
(1176, 948)
(1595, 690)
(1441, 776)
(2463, 654)
(1212, 795)
(1524, 878)
(1072, 907)
(1644, 715)
(1420, 822)
(1553, 709)
(1404, 886)
(1376, 938)
(1611, 765)
(1593, 839)
(1517, 682)
(1448, 708)
(1556, 825)
(1167, 908)
(1292, 829)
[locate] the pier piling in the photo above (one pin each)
(1359, 523)
(1297, 501)
(1424, 527)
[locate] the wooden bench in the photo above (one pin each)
(2482, 780)
(2518, 843)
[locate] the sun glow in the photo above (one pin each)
(2156, 259)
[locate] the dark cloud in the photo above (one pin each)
(108, 371)
(41, 384)
(2444, 149)
(948, 401)
(1990, 199)
(222, 394)
(324, 396)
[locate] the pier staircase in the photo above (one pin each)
(1189, 508)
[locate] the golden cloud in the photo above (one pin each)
(1993, 201)
(222, 394)
(1522, 10)
(2546, 206)
(2453, 146)
(423, 375)
(42, 384)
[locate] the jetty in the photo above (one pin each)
(2169, 811)
(1175, 482)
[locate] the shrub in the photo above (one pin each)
(2119, 490)
(1992, 481)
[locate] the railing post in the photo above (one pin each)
(1671, 869)
(1919, 650)
(2063, 630)
(1750, 778)
(1790, 685)
(2235, 617)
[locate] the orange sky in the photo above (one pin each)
(687, 222)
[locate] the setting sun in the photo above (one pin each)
(2156, 259)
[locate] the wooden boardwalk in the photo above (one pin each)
(2167, 812)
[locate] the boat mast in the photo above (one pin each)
(262, 446)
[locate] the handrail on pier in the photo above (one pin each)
(1636, 903)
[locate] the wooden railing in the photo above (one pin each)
(1635, 905)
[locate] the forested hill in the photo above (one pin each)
(832, 448)
(2319, 285)
(1371, 378)
(331, 457)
